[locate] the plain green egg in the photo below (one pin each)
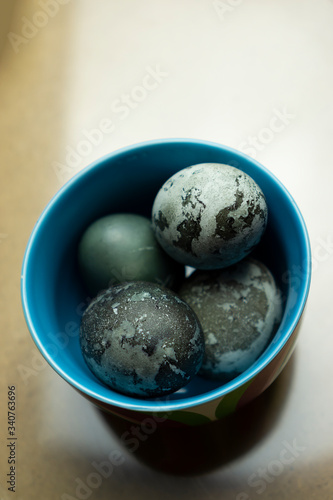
(122, 247)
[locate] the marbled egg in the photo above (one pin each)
(141, 339)
(209, 216)
(239, 309)
(122, 247)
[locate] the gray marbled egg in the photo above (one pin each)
(141, 339)
(209, 216)
(239, 309)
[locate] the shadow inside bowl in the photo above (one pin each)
(200, 449)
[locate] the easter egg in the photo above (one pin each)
(141, 339)
(239, 309)
(209, 216)
(122, 247)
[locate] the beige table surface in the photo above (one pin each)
(255, 75)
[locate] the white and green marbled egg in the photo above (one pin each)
(209, 215)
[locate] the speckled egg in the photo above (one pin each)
(209, 216)
(122, 247)
(141, 339)
(239, 309)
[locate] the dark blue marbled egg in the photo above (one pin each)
(141, 339)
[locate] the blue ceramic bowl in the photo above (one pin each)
(127, 181)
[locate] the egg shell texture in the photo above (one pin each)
(141, 339)
(239, 309)
(209, 215)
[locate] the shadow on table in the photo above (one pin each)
(201, 449)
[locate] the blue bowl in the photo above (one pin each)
(127, 180)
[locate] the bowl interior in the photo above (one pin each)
(127, 181)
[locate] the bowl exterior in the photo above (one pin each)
(216, 409)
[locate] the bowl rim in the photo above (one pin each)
(151, 405)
